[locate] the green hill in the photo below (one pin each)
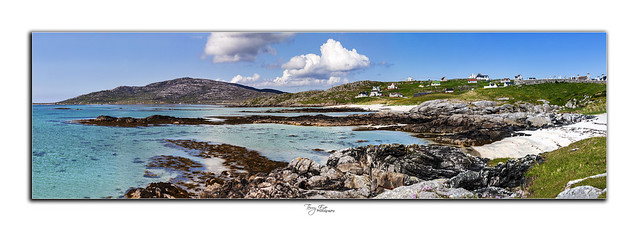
(591, 96)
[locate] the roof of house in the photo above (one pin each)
(472, 79)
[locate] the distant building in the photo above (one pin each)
(603, 77)
(491, 85)
(376, 88)
(392, 86)
(435, 83)
(444, 79)
(482, 77)
(410, 79)
(583, 78)
(506, 84)
(472, 80)
(396, 95)
(376, 93)
(421, 85)
(531, 78)
(449, 90)
(362, 94)
(518, 77)
(505, 80)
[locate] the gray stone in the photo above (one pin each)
(581, 192)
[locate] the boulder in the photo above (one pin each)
(580, 192)
(157, 190)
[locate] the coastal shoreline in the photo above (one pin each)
(543, 140)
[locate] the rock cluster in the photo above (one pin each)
(380, 171)
(158, 190)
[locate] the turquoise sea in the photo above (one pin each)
(73, 161)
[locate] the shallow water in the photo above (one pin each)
(84, 161)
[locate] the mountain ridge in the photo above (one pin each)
(185, 90)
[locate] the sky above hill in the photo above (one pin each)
(65, 65)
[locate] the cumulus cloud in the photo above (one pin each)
(329, 68)
(245, 79)
(241, 46)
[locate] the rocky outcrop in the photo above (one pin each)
(158, 190)
(581, 192)
(138, 122)
(389, 171)
(508, 175)
(421, 161)
(381, 171)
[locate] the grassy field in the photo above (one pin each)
(555, 93)
(548, 179)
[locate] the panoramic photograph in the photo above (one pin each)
(319, 115)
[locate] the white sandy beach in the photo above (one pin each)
(544, 140)
(380, 107)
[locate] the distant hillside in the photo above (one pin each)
(182, 90)
(588, 98)
(341, 94)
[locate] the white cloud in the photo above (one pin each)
(241, 46)
(328, 68)
(245, 79)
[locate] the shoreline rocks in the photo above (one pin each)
(373, 171)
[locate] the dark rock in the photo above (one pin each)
(158, 190)
(509, 175)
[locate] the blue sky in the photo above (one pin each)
(65, 65)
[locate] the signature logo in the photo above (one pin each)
(310, 209)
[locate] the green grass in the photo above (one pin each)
(599, 183)
(593, 108)
(494, 162)
(548, 179)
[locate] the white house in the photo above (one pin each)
(491, 85)
(376, 88)
(506, 84)
(396, 95)
(376, 93)
(410, 79)
(505, 80)
(444, 79)
(435, 83)
(392, 86)
(482, 77)
(519, 77)
(421, 85)
(449, 90)
(472, 80)
(362, 94)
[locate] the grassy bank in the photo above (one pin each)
(548, 179)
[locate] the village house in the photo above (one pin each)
(435, 83)
(392, 87)
(396, 95)
(362, 94)
(449, 90)
(472, 80)
(410, 79)
(506, 84)
(519, 77)
(376, 88)
(421, 85)
(444, 79)
(376, 93)
(603, 77)
(583, 78)
(505, 80)
(479, 76)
